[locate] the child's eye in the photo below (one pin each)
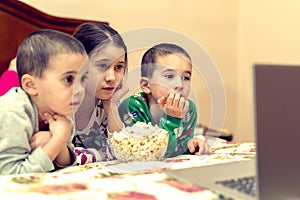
(69, 79)
(186, 78)
(119, 67)
(169, 76)
(102, 66)
(83, 78)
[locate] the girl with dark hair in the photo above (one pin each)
(98, 115)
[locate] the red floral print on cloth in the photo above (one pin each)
(131, 195)
(186, 187)
(60, 189)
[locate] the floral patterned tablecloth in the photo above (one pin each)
(116, 180)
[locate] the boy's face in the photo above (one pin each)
(106, 72)
(172, 74)
(55, 87)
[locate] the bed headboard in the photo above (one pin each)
(18, 19)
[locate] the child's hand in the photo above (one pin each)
(174, 105)
(197, 143)
(120, 92)
(39, 139)
(60, 127)
(110, 106)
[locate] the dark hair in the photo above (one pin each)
(95, 36)
(35, 51)
(150, 57)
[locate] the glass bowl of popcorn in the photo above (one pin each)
(141, 142)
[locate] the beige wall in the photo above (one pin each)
(269, 32)
(235, 34)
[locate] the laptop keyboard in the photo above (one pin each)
(246, 185)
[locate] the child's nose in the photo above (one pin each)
(178, 85)
(78, 88)
(110, 75)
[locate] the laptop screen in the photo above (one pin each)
(277, 106)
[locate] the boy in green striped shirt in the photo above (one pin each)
(165, 83)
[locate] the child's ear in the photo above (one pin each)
(144, 85)
(29, 84)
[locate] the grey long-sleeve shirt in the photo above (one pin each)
(18, 122)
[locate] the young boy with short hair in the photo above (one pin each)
(166, 76)
(48, 64)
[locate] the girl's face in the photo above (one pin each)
(172, 74)
(107, 68)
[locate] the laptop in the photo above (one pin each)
(276, 169)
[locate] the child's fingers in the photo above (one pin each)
(49, 117)
(170, 99)
(191, 146)
(121, 90)
(162, 100)
(204, 147)
(32, 138)
(182, 103)
(201, 145)
(176, 100)
(197, 143)
(39, 139)
(58, 117)
(32, 145)
(186, 106)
